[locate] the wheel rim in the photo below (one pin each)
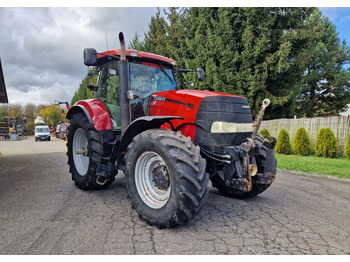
(80, 153)
(152, 180)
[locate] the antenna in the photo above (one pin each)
(106, 40)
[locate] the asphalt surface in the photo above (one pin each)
(42, 212)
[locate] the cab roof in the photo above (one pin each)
(140, 55)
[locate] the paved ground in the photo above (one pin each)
(42, 212)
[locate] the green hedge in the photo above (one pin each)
(302, 144)
(283, 145)
(347, 147)
(266, 134)
(326, 144)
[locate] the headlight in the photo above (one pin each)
(226, 127)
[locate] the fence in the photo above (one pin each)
(340, 126)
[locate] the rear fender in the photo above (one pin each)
(95, 111)
(138, 126)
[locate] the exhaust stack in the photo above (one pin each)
(123, 86)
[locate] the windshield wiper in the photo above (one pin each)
(161, 67)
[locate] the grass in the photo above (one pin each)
(339, 167)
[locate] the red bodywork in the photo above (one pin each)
(139, 54)
(98, 113)
(184, 103)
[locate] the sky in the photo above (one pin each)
(41, 49)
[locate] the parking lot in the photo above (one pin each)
(42, 212)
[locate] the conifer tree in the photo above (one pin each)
(283, 145)
(325, 86)
(302, 144)
(347, 147)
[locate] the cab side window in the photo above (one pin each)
(107, 91)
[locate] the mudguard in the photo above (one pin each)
(138, 126)
(95, 111)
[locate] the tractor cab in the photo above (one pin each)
(147, 74)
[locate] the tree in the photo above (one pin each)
(3, 112)
(15, 111)
(30, 111)
(83, 92)
(266, 134)
(244, 51)
(325, 86)
(52, 114)
(290, 55)
(326, 143)
(347, 147)
(136, 44)
(302, 144)
(283, 145)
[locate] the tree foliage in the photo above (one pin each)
(266, 134)
(83, 92)
(326, 143)
(283, 145)
(30, 111)
(52, 114)
(302, 144)
(347, 147)
(275, 53)
(324, 88)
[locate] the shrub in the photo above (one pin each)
(302, 144)
(347, 147)
(283, 145)
(319, 141)
(266, 134)
(326, 144)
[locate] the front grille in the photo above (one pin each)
(223, 108)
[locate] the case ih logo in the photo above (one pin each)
(159, 98)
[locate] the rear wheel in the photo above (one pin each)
(85, 151)
(165, 177)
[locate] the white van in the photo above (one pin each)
(42, 133)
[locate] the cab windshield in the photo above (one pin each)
(147, 78)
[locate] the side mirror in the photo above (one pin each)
(90, 57)
(200, 74)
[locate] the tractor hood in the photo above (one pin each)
(201, 109)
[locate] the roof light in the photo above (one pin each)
(134, 54)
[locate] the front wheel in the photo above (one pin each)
(165, 177)
(85, 151)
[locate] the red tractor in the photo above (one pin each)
(168, 142)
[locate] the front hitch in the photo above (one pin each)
(243, 170)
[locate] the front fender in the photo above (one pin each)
(95, 111)
(138, 126)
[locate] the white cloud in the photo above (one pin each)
(42, 48)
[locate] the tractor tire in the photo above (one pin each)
(83, 137)
(257, 189)
(165, 177)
